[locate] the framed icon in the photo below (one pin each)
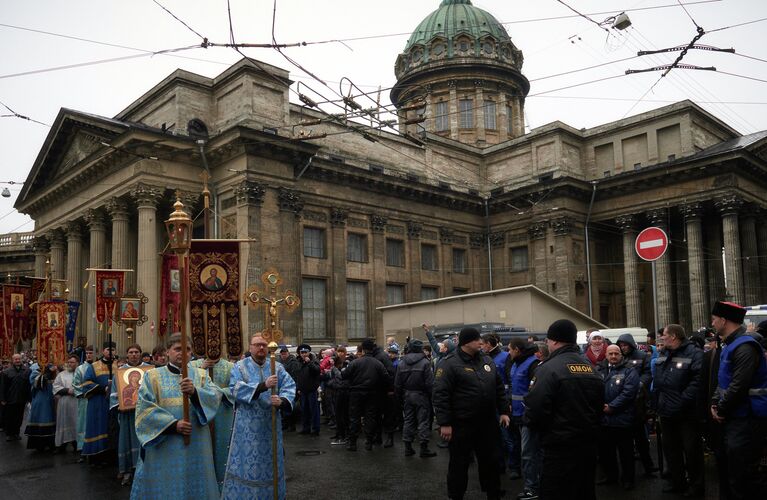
(129, 381)
(132, 309)
(109, 288)
(17, 302)
(175, 281)
(53, 319)
(213, 277)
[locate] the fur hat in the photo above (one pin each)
(563, 330)
(468, 334)
(729, 311)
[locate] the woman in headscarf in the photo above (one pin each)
(66, 405)
(596, 350)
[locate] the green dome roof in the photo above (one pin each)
(455, 17)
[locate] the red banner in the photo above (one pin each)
(170, 295)
(214, 287)
(6, 346)
(109, 289)
(16, 311)
(37, 287)
(51, 341)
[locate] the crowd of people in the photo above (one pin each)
(561, 418)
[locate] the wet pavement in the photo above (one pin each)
(315, 469)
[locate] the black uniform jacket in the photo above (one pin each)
(565, 400)
(677, 387)
(468, 389)
(366, 374)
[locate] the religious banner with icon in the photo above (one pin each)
(170, 295)
(52, 319)
(37, 287)
(214, 287)
(6, 340)
(73, 309)
(109, 289)
(16, 312)
(129, 379)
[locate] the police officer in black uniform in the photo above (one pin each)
(565, 405)
(468, 399)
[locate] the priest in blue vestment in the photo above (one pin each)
(127, 444)
(96, 385)
(249, 468)
(169, 469)
(82, 401)
(220, 370)
(41, 427)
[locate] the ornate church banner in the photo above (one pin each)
(170, 294)
(109, 289)
(37, 287)
(6, 345)
(16, 311)
(73, 308)
(214, 286)
(52, 323)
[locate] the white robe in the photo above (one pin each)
(66, 409)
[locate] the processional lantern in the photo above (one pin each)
(179, 227)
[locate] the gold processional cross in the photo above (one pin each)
(272, 300)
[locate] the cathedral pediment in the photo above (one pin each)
(81, 146)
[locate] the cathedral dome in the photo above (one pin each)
(458, 48)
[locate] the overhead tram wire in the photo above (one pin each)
(14, 114)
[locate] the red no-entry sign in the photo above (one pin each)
(651, 244)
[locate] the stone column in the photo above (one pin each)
(627, 223)
(478, 260)
(120, 214)
(761, 245)
(562, 227)
(40, 246)
(479, 106)
(728, 207)
(699, 306)
(250, 198)
(659, 217)
(452, 109)
(288, 261)
(338, 218)
(378, 227)
(74, 234)
(96, 220)
(714, 265)
(413, 292)
(445, 260)
(537, 235)
(57, 245)
(750, 257)
(147, 197)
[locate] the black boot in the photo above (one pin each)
(389, 440)
(409, 451)
(352, 446)
(425, 451)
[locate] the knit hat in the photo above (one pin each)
(415, 346)
(729, 311)
(368, 345)
(563, 330)
(468, 334)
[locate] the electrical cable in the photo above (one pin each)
(179, 20)
(17, 115)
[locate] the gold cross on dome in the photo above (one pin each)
(272, 301)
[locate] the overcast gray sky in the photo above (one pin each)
(40, 35)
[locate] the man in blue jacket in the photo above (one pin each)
(740, 402)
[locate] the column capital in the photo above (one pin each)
(497, 239)
(56, 238)
(290, 201)
(477, 240)
(40, 244)
(146, 195)
(250, 192)
(657, 216)
(95, 219)
(446, 235)
(562, 226)
(728, 204)
(338, 216)
(378, 223)
(692, 211)
(74, 230)
(627, 222)
(414, 230)
(118, 209)
(537, 230)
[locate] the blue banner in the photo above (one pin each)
(72, 311)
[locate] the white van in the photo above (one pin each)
(639, 334)
(755, 315)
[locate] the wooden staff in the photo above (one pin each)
(275, 479)
(182, 323)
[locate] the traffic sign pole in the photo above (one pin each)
(655, 296)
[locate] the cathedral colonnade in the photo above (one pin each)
(714, 254)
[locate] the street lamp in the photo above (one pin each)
(179, 228)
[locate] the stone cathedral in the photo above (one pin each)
(456, 198)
